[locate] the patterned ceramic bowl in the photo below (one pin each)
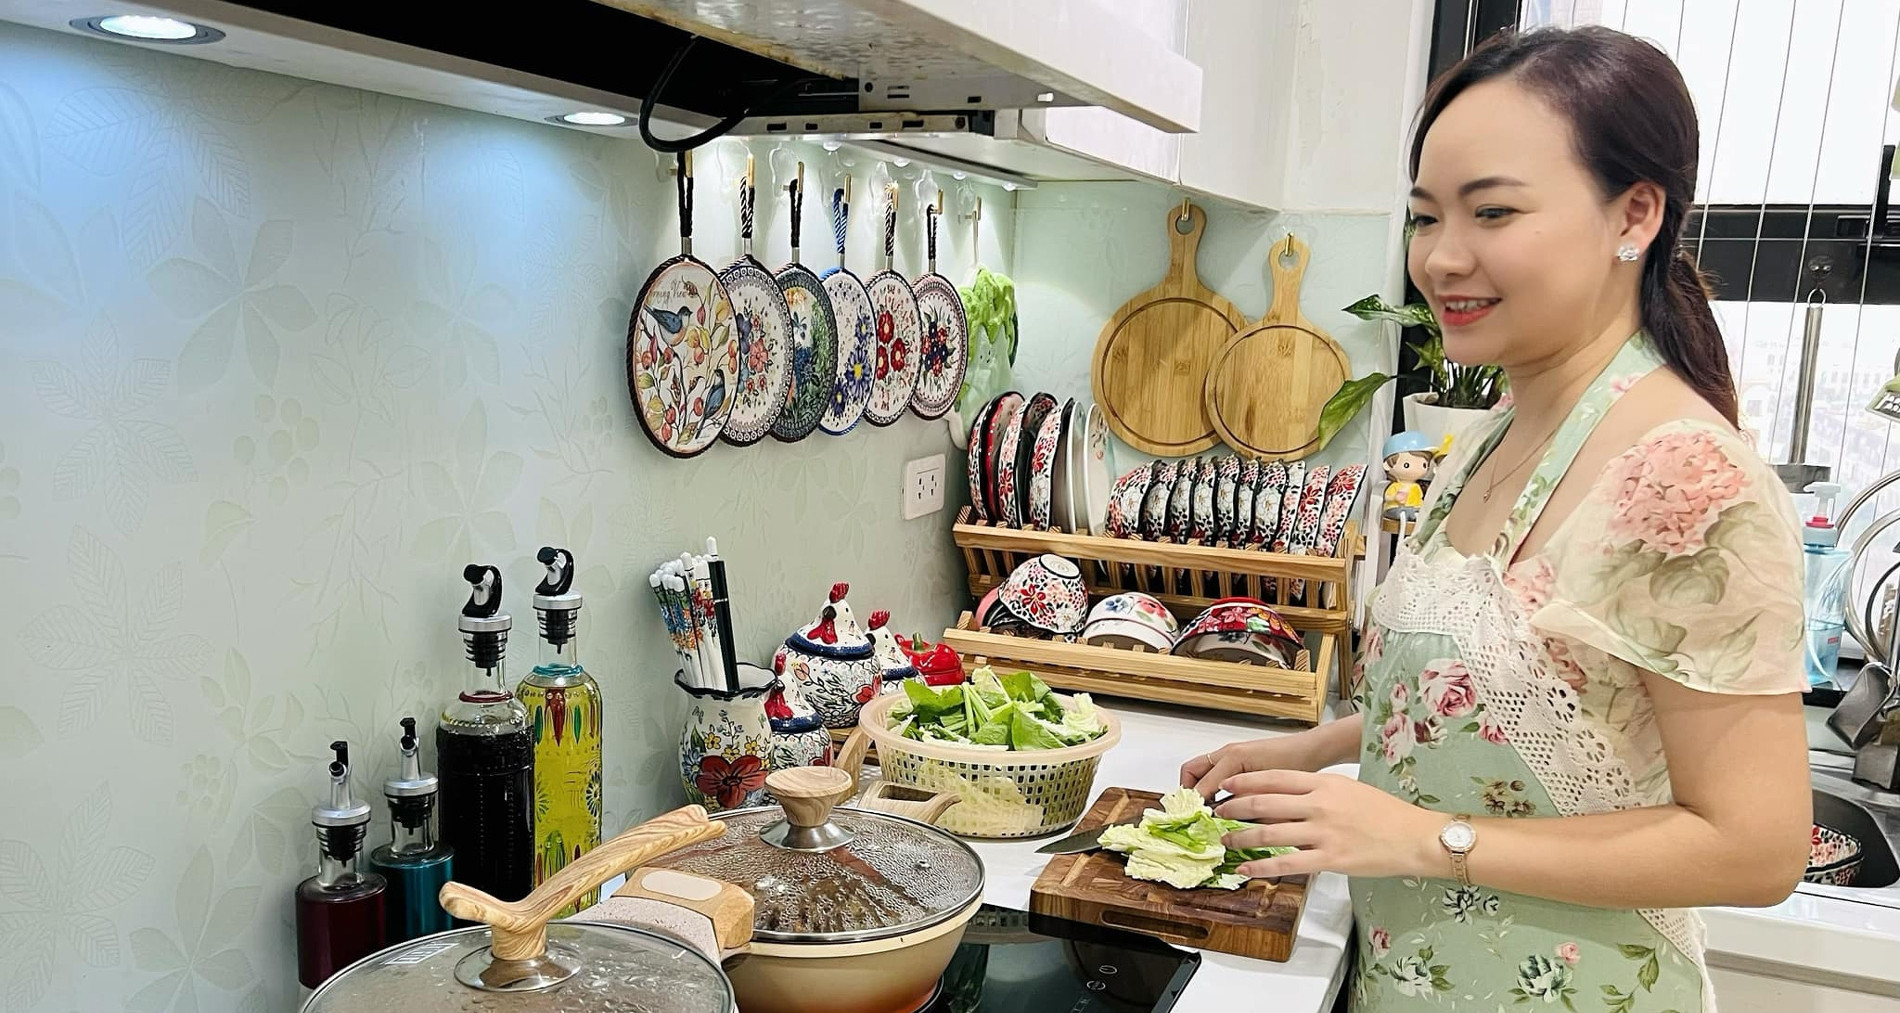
(1047, 592)
(1245, 630)
(1131, 619)
(1833, 858)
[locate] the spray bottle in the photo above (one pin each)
(1825, 586)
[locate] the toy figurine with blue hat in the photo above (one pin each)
(1409, 460)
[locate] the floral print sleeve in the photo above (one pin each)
(1684, 560)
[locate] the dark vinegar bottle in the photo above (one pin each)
(484, 756)
(341, 915)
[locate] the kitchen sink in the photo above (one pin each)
(1870, 816)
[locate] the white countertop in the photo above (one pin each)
(1155, 740)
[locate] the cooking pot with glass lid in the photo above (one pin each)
(850, 910)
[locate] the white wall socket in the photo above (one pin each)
(923, 486)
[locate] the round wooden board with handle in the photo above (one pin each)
(1152, 357)
(1264, 388)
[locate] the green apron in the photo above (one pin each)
(1465, 714)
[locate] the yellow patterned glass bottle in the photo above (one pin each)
(563, 704)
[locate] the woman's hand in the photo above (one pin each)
(1339, 825)
(1205, 772)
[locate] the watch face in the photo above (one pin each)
(1458, 836)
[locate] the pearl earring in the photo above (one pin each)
(1628, 253)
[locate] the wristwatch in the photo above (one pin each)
(1458, 839)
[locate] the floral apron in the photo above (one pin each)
(1464, 713)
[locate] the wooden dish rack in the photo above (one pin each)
(1187, 579)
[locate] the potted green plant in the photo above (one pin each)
(1459, 394)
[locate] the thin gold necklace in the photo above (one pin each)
(1497, 477)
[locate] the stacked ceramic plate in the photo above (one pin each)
(1045, 598)
(1038, 462)
(1274, 506)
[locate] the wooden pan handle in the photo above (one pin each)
(520, 929)
(725, 905)
(850, 758)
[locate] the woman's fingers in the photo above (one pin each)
(1265, 808)
(1193, 771)
(1272, 782)
(1291, 834)
(1296, 863)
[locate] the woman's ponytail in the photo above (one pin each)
(1677, 314)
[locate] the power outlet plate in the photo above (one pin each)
(923, 486)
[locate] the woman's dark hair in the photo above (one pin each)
(1634, 122)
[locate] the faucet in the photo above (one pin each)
(1868, 717)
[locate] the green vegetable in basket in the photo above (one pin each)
(1180, 844)
(1013, 712)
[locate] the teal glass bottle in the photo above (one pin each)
(414, 863)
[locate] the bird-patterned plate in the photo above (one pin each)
(682, 356)
(763, 324)
(814, 348)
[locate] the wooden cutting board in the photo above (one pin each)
(1258, 920)
(1264, 388)
(1152, 356)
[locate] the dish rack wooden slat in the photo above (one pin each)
(1186, 578)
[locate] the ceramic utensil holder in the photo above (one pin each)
(725, 746)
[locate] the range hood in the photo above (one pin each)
(951, 81)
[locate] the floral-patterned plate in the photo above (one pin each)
(763, 324)
(1266, 503)
(1181, 501)
(899, 331)
(978, 457)
(1042, 468)
(945, 352)
(1039, 408)
(1201, 515)
(1243, 502)
(1226, 489)
(1009, 500)
(857, 347)
(1154, 508)
(1124, 502)
(814, 347)
(1009, 404)
(682, 357)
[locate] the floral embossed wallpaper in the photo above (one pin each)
(277, 359)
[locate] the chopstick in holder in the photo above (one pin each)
(722, 615)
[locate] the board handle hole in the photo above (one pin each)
(1175, 931)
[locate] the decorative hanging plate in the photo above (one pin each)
(763, 325)
(946, 346)
(814, 348)
(857, 344)
(899, 332)
(682, 356)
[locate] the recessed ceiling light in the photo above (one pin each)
(148, 28)
(831, 145)
(591, 118)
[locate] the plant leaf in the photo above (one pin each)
(1374, 307)
(1348, 401)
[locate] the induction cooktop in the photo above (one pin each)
(1017, 962)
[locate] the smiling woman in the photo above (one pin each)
(1598, 649)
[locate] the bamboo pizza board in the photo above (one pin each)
(1264, 388)
(1258, 920)
(1152, 357)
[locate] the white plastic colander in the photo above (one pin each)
(1004, 793)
